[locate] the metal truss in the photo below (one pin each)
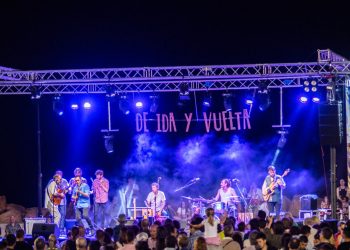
(168, 79)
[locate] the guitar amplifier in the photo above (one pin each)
(308, 202)
(29, 222)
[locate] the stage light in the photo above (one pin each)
(139, 104)
(108, 141)
(303, 99)
(110, 91)
(249, 101)
(87, 105)
(228, 101)
(57, 105)
(262, 96)
(310, 84)
(154, 106)
(184, 89)
(35, 93)
(315, 99)
(307, 89)
(74, 106)
(207, 100)
(283, 140)
(124, 105)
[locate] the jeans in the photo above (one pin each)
(62, 210)
(99, 213)
(83, 213)
(272, 206)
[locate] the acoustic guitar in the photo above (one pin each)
(270, 190)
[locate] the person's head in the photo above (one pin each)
(271, 170)
(200, 244)
(225, 183)
(145, 223)
(78, 172)
(11, 240)
(170, 241)
(183, 204)
(294, 243)
(182, 241)
(99, 174)
(228, 231)
(325, 199)
(326, 234)
(252, 237)
(261, 240)
(342, 182)
(305, 230)
(57, 178)
(294, 230)
(254, 224)
(209, 212)
(346, 233)
(262, 224)
(262, 214)
(75, 232)
(241, 226)
(130, 235)
(52, 240)
(39, 243)
(341, 226)
(94, 245)
(142, 245)
(153, 231)
(82, 231)
(100, 235)
(122, 219)
(155, 187)
(77, 180)
(20, 234)
(59, 172)
(303, 242)
(81, 243)
(12, 219)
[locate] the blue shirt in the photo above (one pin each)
(82, 201)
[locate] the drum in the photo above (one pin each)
(218, 207)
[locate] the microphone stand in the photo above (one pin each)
(244, 201)
(188, 184)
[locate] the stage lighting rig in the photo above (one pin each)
(263, 97)
(283, 139)
(35, 93)
(124, 104)
(228, 101)
(57, 105)
(154, 105)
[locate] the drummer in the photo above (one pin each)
(226, 193)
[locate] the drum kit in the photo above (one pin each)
(199, 205)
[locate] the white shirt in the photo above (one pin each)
(209, 230)
(227, 196)
(159, 199)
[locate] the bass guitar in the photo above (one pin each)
(270, 190)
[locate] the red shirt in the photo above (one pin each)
(101, 196)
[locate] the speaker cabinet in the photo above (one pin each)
(308, 203)
(45, 229)
(330, 124)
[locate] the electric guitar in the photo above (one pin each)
(270, 190)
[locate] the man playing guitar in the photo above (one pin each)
(60, 199)
(156, 200)
(53, 198)
(272, 190)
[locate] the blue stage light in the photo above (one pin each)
(74, 106)
(87, 105)
(139, 104)
(316, 99)
(303, 99)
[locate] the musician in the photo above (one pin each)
(77, 173)
(51, 193)
(156, 200)
(81, 197)
(256, 198)
(100, 188)
(63, 186)
(273, 184)
(226, 193)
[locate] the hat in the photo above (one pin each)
(121, 218)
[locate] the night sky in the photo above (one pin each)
(74, 34)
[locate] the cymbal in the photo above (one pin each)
(199, 200)
(185, 197)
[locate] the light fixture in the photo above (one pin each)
(303, 99)
(87, 105)
(262, 97)
(57, 105)
(35, 93)
(124, 104)
(74, 106)
(154, 105)
(283, 139)
(207, 100)
(228, 101)
(108, 142)
(315, 99)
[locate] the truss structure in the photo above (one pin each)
(168, 79)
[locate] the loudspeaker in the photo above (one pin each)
(45, 229)
(330, 124)
(308, 203)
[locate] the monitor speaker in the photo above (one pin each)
(45, 229)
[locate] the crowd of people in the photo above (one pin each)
(202, 233)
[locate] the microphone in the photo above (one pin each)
(195, 179)
(159, 178)
(235, 180)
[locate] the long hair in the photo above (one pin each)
(201, 244)
(210, 215)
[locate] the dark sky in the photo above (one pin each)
(79, 34)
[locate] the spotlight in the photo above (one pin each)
(228, 101)
(35, 93)
(315, 99)
(110, 91)
(108, 143)
(303, 99)
(57, 105)
(124, 105)
(207, 100)
(139, 104)
(154, 106)
(184, 89)
(249, 101)
(74, 106)
(263, 97)
(310, 85)
(283, 140)
(87, 105)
